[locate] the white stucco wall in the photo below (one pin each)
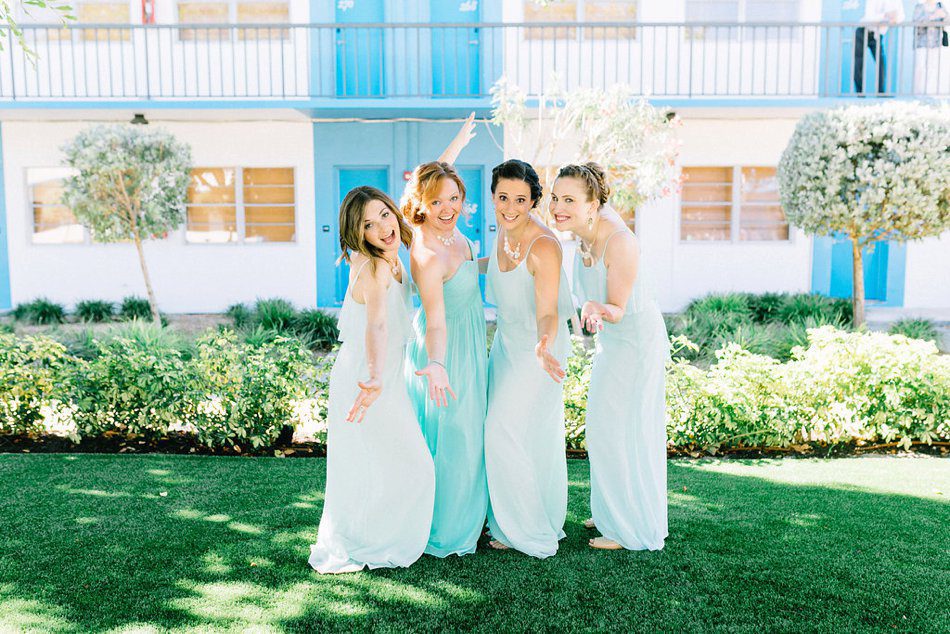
(927, 274)
(186, 277)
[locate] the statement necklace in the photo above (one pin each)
(393, 266)
(514, 254)
(446, 241)
(586, 251)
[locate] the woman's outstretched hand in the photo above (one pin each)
(547, 360)
(592, 317)
(438, 383)
(369, 392)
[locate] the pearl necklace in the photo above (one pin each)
(446, 241)
(514, 254)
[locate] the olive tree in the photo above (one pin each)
(130, 185)
(872, 173)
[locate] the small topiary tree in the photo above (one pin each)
(130, 186)
(872, 173)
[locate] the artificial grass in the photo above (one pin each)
(162, 542)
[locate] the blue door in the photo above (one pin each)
(875, 270)
(455, 50)
(470, 223)
(359, 51)
(348, 178)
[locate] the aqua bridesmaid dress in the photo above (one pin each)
(626, 409)
(524, 428)
(456, 434)
(380, 487)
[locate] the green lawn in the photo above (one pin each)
(156, 543)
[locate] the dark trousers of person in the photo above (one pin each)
(875, 44)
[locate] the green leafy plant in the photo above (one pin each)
(317, 327)
(40, 311)
(240, 314)
(133, 307)
(94, 310)
(275, 314)
(34, 393)
(915, 329)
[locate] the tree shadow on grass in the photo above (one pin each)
(92, 544)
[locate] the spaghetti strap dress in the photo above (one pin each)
(380, 480)
(524, 429)
(626, 408)
(456, 434)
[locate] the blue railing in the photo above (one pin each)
(302, 62)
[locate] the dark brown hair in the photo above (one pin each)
(423, 187)
(593, 177)
(351, 222)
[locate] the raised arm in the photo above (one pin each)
(427, 273)
(462, 138)
(371, 285)
(544, 262)
(622, 260)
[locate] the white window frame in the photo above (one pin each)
(31, 221)
(735, 211)
(782, 31)
(240, 215)
(281, 27)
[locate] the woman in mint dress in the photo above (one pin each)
(447, 368)
(625, 426)
(380, 480)
(524, 428)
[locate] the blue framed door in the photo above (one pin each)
(456, 51)
(471, 223)
(347, 179)
(360, 61)
(875, 270)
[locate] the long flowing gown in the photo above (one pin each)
(626, 407)
(380, 479)
(524, 428)
(456, 434)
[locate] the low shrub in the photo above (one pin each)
(40, 311)
(240, 314)
(133, 307)
(915, 329)
(247, 393)
(317, 328)
(94, 310)
(275, 314)
(801, 307)
(34, 386)
(135, 384)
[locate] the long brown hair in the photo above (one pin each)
(351, 222)
(423, 187)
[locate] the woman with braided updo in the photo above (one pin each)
(449, 352)
(625, 427)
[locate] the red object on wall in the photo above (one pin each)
(148, 11)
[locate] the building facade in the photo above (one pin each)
(287, 104)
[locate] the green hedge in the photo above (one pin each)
(841, 387)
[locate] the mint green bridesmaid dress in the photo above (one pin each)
(455, 434)
(626, 414)
(524, 428)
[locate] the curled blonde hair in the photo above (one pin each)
(423, 187)
(594, 178)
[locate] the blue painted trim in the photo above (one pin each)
(5, 301)
(822, 273)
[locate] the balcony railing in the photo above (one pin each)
(295, 62)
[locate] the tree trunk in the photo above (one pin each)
(148, 282)
(857, 296)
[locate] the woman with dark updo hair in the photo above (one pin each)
(625, 427)
(524, 428)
